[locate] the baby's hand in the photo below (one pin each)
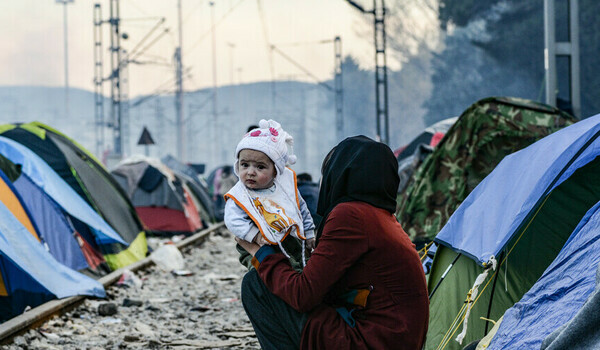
(258, 239)
(310, 244)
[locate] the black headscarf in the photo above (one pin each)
(358, 169)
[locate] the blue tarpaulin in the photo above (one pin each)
(53, 226)
(30, 274)
(559, 294)
(44, 177)
(517, 184)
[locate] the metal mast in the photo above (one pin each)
(115, 77)
(98, 80)
(555, 49)
(381, 88)
(66, 47)
(214, 87)
(160, 122)
(339, 97)
(124, 86)
(179, 92)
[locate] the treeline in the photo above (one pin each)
(496, 47)
(472, 49)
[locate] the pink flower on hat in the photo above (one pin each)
(273, 131)
(255, 133)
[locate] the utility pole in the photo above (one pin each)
(98, 81)
(179, 92)
(214, 77)
(339, 97)
(160, 122)
(124, 86)
(554, 49)
(65, 30)
(115, 78)
(381, 88)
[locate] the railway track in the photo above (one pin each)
(201, 311)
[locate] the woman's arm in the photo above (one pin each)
(341, 245)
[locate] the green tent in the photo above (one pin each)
(88, 177)
(517, 219)
(482, 136)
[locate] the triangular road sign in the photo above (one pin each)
(145, 138)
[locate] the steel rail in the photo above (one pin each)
(40, 314)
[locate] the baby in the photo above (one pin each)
(265, 206)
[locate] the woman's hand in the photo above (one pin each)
(310, 245)
(251, 248)
(258, 239)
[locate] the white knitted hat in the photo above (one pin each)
(271, 140)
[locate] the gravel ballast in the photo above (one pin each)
(198, 308)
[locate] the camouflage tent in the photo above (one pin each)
(486, 132)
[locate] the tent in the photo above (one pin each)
(85, 174)
(200, 197)
(430, 136)
(509, 229)
(29, 275)
(11, 199)
(411, 156)
(483, 134)
(73, 232)
(198, 187)
(163, 203)
(559, 294)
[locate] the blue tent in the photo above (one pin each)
(69, 227)
(559, 294)
(517, 185)
(509, 229)
(55, 228)
(43, 176)
(29, 275)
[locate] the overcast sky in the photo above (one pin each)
(31, 52)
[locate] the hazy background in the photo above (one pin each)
(442, 56)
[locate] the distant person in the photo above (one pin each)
(224, 178)
(363, 287)
(265, 205)
(227, 181)
(310, 192)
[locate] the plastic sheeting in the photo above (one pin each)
(30, 274)
(480, 232)
(53, 226)
(559, 294)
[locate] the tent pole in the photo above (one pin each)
(444, 275)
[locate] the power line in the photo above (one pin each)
(381, 85)
(135, 19)
(136, 55)
(299, 66)
(269, 51)
(205, 34)
(191, 12)
(141, 42)
(305, 43)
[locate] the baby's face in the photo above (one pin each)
(257, 171)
